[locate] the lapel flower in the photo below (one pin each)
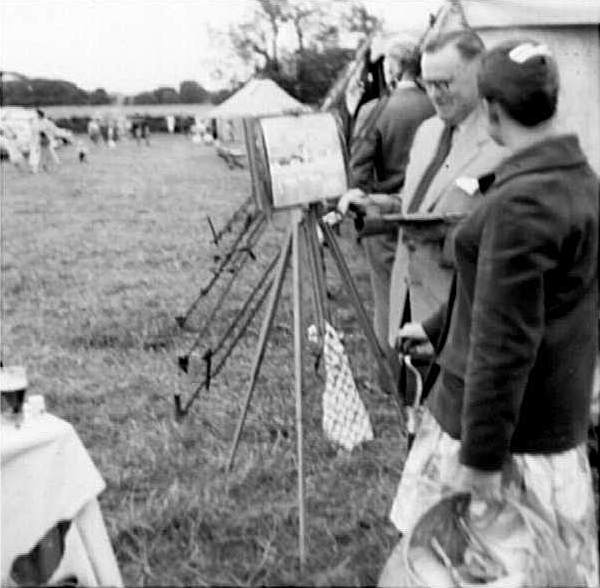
(468, 185)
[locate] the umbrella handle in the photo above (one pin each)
(412, 410)
(419, 380)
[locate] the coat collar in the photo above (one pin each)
(405, 85)
(561, 151)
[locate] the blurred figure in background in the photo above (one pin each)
(136, 130)
(110, 135)
(382, 138)
(35, 147)
(170, 119)
(82, 151)
(42, 150)
(146, 131)
(94, 131)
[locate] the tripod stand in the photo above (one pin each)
(302, 234)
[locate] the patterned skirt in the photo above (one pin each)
(557, 486)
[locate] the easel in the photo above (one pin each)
(303, 235)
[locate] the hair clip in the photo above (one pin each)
(522, 53)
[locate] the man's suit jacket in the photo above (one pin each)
(378, 161)
(422, 261)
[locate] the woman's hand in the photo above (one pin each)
(483, 484)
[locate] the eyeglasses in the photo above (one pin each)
(440, 85)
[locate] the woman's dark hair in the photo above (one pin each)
(521, 76)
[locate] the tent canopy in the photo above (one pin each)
(482, 14)
(259, 97)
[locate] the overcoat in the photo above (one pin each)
(517, 367)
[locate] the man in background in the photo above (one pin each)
(383, 134)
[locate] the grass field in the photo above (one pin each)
(97, 259)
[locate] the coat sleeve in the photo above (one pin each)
(434, 324)
(363, 151)
(519, 243)
(391, 185)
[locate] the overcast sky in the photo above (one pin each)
(134, 45)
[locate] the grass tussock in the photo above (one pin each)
(97, 260)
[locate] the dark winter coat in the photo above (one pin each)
(518, 364)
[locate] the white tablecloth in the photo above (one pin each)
(47, 477)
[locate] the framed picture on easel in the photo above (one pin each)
(296, 160)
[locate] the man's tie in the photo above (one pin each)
(436, 163)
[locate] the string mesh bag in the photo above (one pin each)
(461, 542)
(345, 418)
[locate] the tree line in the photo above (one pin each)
(48, 92)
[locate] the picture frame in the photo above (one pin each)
(296, 160)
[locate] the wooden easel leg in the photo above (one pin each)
(361, 314)
(297, 302)
(316, 270)
(262, 341)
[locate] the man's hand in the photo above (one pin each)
(412, 338)
(332, 218)
(353, 196)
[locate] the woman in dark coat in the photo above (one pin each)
(510, 410)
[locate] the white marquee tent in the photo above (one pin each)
(259, 97)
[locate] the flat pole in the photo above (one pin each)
(361, 314)
(297, 302)
(316, 268)
(262, 341)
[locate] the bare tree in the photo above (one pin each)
(357, 19)
(316, 24)
(277, 13)
(305, 17)
(257, 40)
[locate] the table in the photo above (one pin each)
(51, 520)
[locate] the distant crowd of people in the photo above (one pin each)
(29, 139)
(112, 130)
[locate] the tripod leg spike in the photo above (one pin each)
(179, 412)
(184, 362)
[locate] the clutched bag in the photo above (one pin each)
(461, 542)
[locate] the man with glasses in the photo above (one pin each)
(450, 151)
